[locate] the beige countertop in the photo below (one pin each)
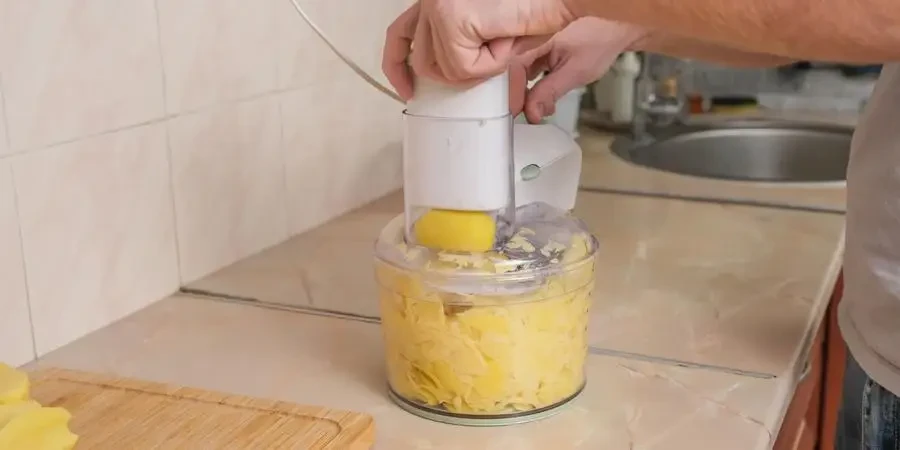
(702, 320)
(290, 356)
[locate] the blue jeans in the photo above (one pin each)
(869, 418)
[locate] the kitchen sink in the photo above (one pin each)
(745, 150)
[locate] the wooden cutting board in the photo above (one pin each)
(110, 413)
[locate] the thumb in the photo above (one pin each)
(542, 98)
(518, 86)
(520, 68)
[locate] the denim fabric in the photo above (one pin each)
(870, 415)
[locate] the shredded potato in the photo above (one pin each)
(488, 354)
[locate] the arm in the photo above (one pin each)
(854, 31)
(682, 47)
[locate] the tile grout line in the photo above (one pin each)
(322, 312)
(169, 162)
(715, 200)
(306, 310)
(276, 89)
(679, 363)
(5, 119)
(165, 117)
(15, 192)
(281, 38)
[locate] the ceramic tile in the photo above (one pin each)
(330, 267)
(339, 363)
(329, 273)
(97, 230)
(729, 286)
(216, 50)
(711, 284)
(312, 152)
(328, 172)
(272, 275)
(76, 68)
(15, 320)
(303, 58)
(601, 169)
(4, 143)
(355, 28)
(228, 177)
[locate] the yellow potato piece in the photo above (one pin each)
(488, 359)
(14, 385)
(10, 411)
(38, 429)
(456, 231)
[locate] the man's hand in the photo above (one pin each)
(464, 41)
(576, 56)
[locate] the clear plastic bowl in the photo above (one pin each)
(511, 352)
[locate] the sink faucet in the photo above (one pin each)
(656, 103)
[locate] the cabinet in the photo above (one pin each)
(811, 417)
(835, 358)
(800, 429)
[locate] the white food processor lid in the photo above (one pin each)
(544, 242)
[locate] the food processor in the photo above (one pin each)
(485, 280)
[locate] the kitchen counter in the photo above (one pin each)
(628, 404)
(703, 318)
(732, 287)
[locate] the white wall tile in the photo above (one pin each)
(72, 68)
(355, 28)
(229, 184)
(341, 153)
(97, 229)
(376, 169)
(303, 59)
(309, 152)
(217, 50)
(16, 346)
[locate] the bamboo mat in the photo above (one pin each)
(110, 413)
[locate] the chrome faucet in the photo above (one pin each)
(656, 103)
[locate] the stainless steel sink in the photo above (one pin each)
(745, 150)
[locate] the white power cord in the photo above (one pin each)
(359, 71)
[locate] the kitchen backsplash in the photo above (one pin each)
(147, 143)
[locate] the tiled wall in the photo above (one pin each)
(146, 143)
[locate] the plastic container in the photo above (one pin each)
(626, 69)
(488, 338)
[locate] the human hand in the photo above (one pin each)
(464, 41)
(579, 54)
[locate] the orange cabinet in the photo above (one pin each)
(835, 358)
(811, 419)
(800, 429)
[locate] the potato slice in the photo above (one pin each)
(10, 410)
(14, 385)
(38, 429)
